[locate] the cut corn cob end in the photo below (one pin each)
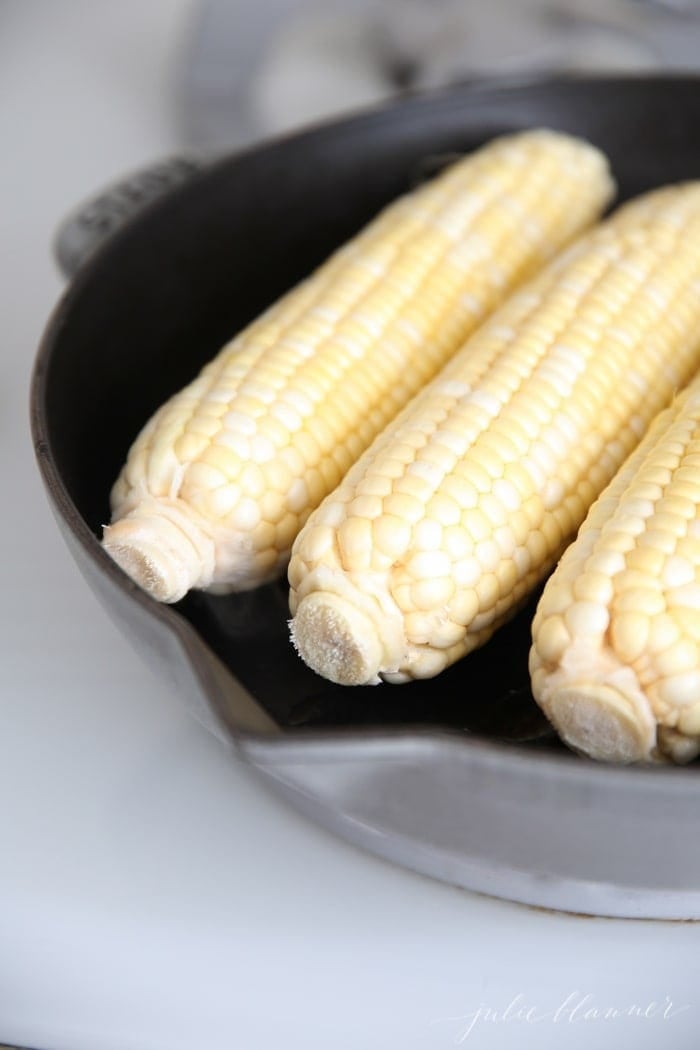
(600, 719)
(615, 659)
(338, 640)
(344, 634)
(161, 548)
(609, 719)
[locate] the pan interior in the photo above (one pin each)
(165, 294)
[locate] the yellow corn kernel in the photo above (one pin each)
(567, 407)
(303, 391)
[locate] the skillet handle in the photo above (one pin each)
(89, 225)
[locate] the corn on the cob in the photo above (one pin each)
(220, 480)
(465, 501)
(615, 660)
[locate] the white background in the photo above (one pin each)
(153, 894)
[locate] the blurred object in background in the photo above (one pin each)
(255, 68)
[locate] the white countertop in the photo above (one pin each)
(154, 895)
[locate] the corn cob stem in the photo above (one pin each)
(240, 457)
(615, 660)
(463, 504)
(161, 547)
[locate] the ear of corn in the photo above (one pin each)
(221, 479)
(615, 660)
(463, 504)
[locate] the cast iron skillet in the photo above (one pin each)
(459, 777)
